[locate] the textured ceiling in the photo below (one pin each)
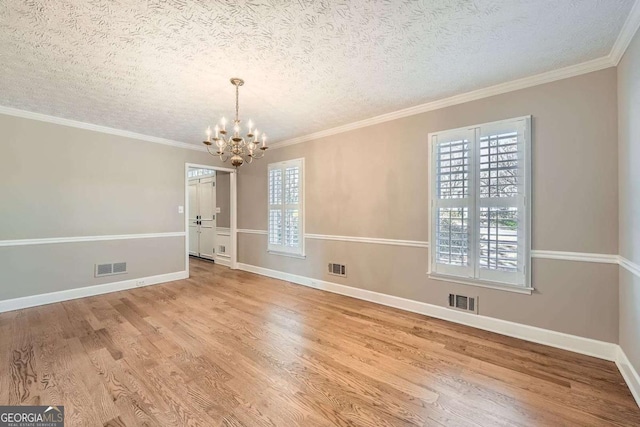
(162, 67)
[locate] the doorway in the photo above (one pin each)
(210, 214)
(203, 209)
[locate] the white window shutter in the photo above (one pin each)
(286, 207)
(452, 203)
(501, 214)
(480, 187)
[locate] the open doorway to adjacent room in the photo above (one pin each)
(210, 215)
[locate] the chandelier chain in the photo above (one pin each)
(237, 104)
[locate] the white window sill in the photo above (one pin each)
(483, 284)
(287, 254)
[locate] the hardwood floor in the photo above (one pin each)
(236, 349)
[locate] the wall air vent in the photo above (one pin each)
(110, 269)
(464, 303)
(222, 249)
(338, 269)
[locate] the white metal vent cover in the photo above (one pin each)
(337, 269)
(463, 303)
(110, 269)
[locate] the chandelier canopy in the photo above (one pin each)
(236, 147)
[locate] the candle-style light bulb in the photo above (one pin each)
(223, 122)
(264, 140)
(236, 129)
(250, 125)
(209, 134)
(217, 130)
(255, 135)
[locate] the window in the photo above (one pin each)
(480, 185)
(194, 173)
(286, 207)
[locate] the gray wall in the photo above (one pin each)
(59, 181)
(373, 182)
(629, 177)
(223, 198)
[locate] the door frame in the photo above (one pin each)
(233, 220)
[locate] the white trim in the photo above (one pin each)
(233, 220)
(375, 240)
(576, 256)
(523, 83)
(249, 231)
(97, 128)
(630, 266)
(287, 254)
(225, 261)
(76, 239)
(543, 254)
(69, 294)
(629, 374)
(590, 347)
(627, 32)
(223, 231)
(483, 284)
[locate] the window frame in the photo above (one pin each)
(281, 249)
(470, 274)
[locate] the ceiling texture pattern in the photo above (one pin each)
(162, 67)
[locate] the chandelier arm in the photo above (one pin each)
(258, 156)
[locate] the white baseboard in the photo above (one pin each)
(629, 374)
(69, 294)
(223, 261)
(587, 346)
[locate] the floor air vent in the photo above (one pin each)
(111, 269)
(464, 303)
(338, 269)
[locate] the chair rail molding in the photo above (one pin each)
(77, 239)
(542, 254)
(630, 266)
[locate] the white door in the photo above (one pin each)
(207, 203)
(194, 217)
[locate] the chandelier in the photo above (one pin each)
(236, 147)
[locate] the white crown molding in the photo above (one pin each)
(629, 30)
(629, 374)
(55, 240)
(96, 128)
(88, 291)
(523, 83)
(590, 347)
(630, 266)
